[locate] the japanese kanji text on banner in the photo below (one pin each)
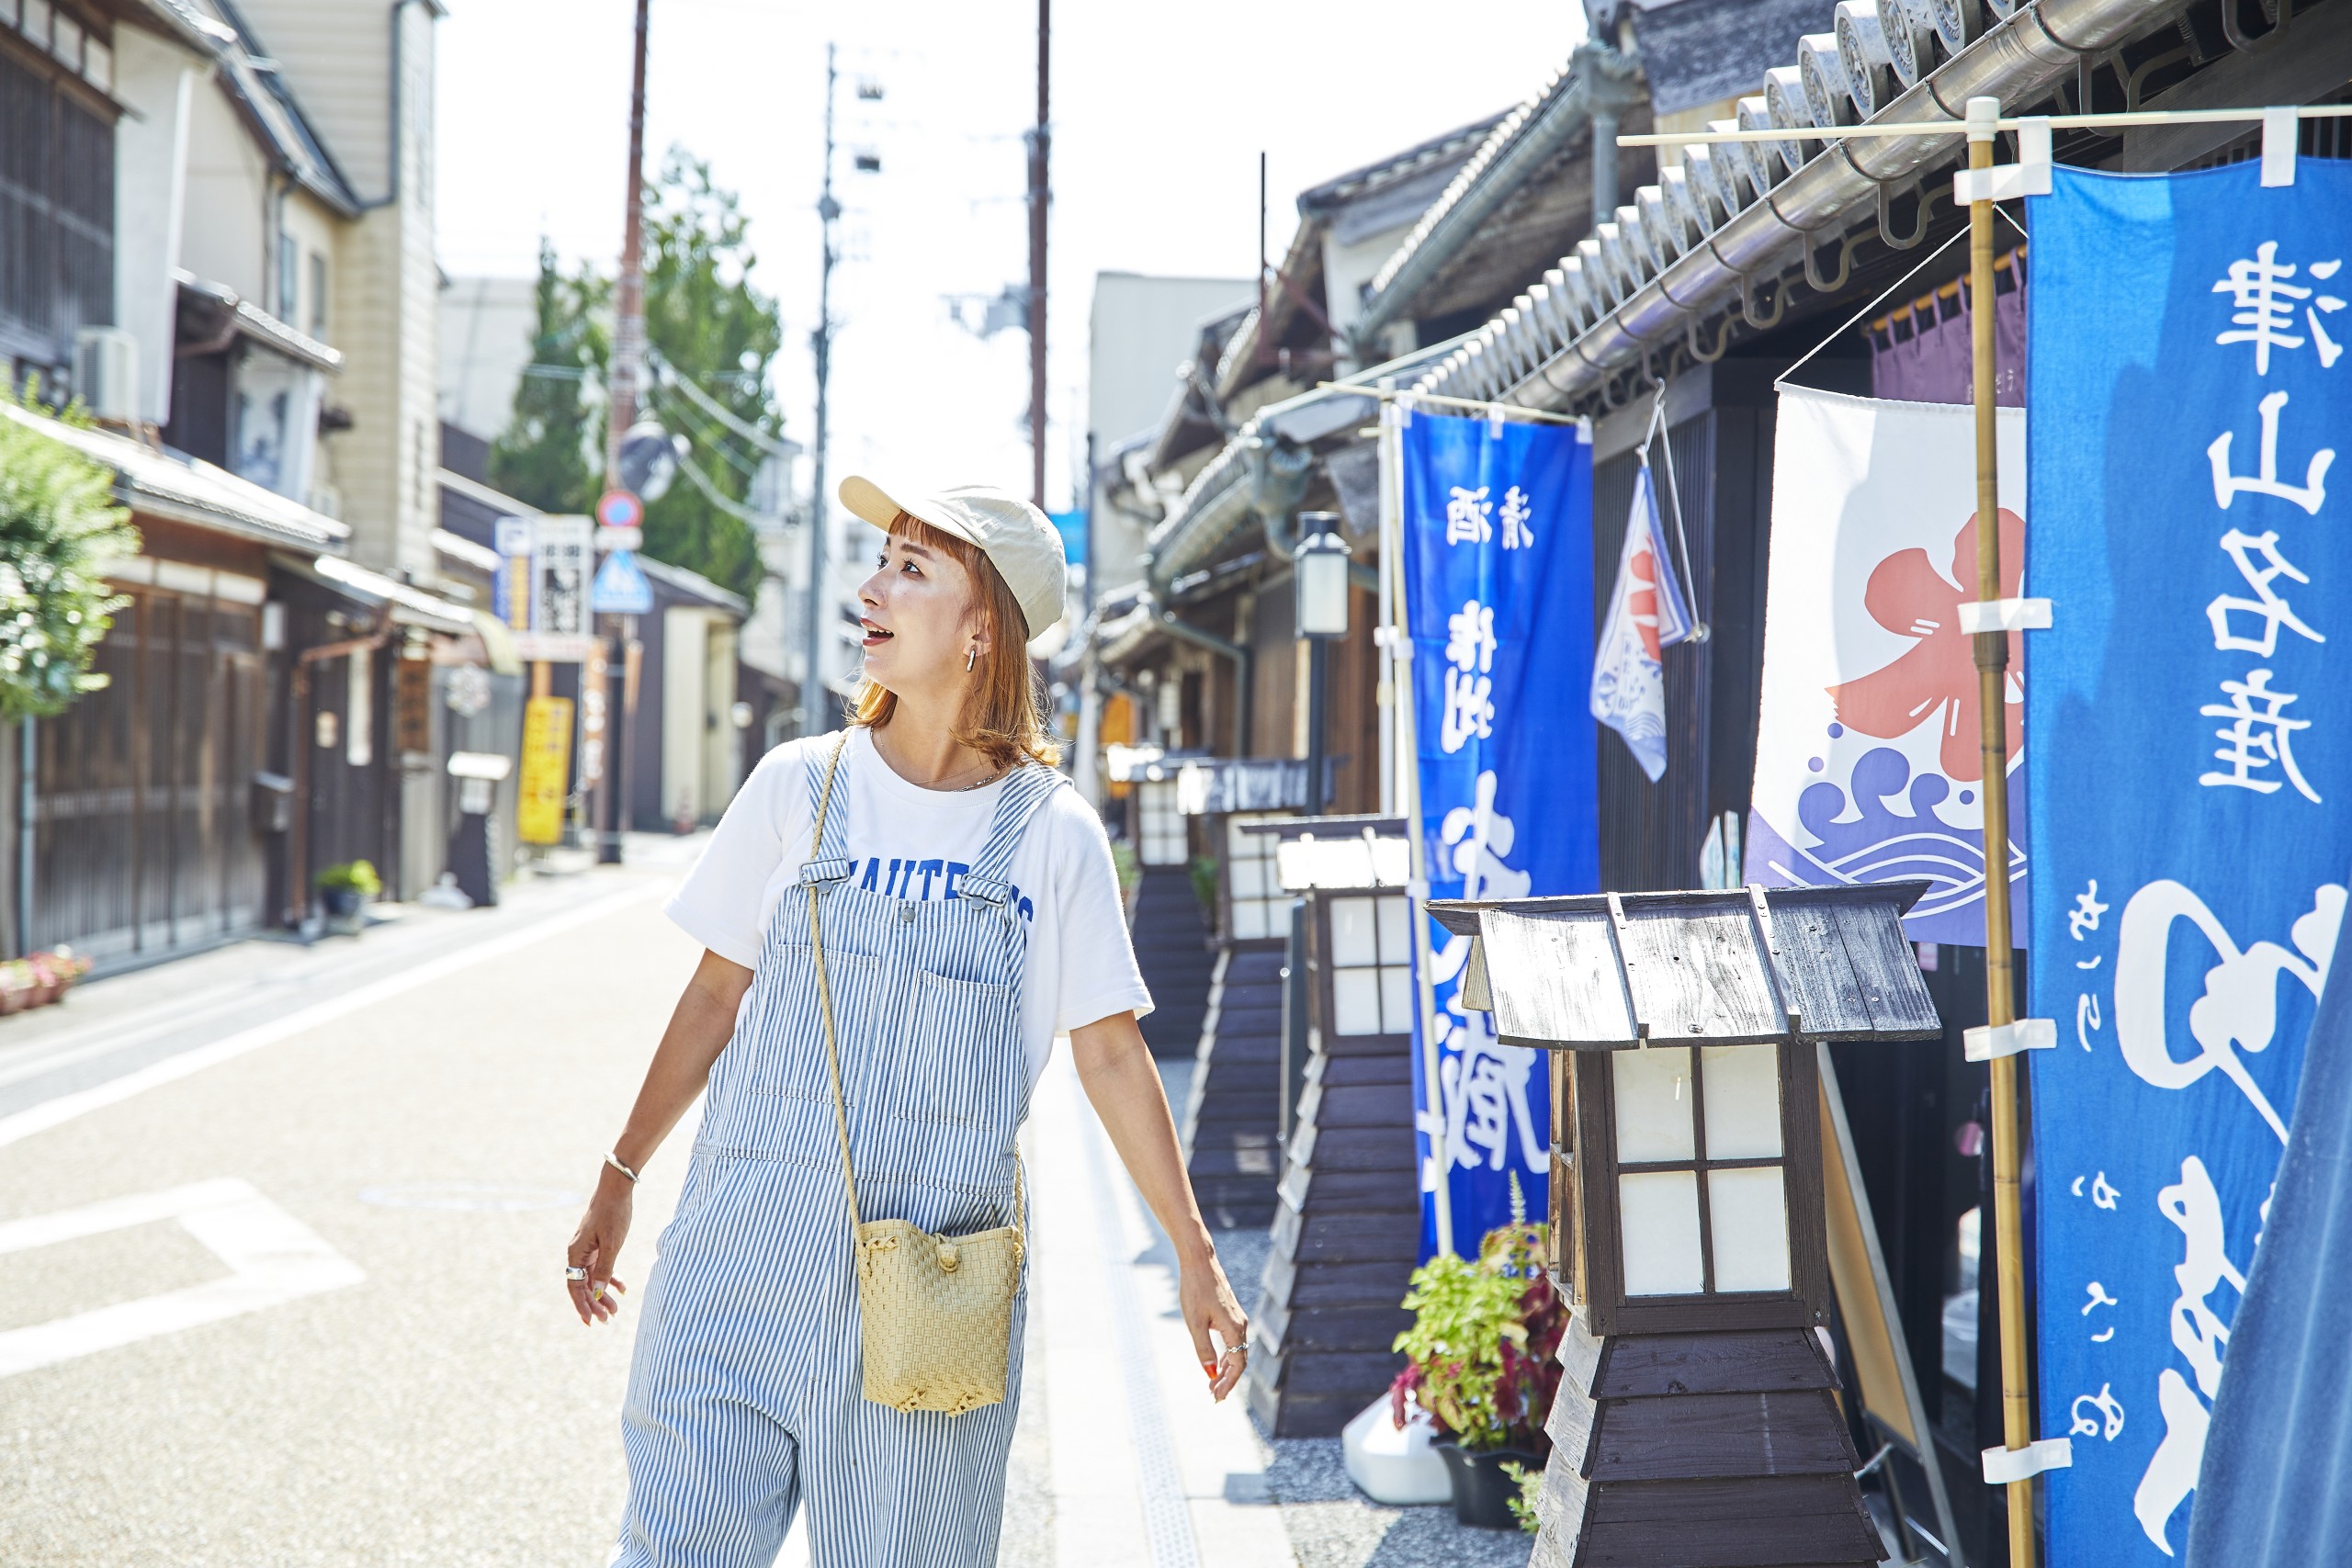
(1497, 529)
(2192, 767)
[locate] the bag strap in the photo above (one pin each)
(825, 1010)
(825, 990)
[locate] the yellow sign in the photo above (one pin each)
(547, 758)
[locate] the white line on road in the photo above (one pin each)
(67, 1107)
(273, 1257)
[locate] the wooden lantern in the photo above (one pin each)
(1696, 1422)
(1347, 1215)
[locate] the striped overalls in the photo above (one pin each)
(744, 1392)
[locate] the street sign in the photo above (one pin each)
(546, 753)
(619, 509)
(611, 539)
(510, 591)
(552, 647)
(412, 705)
(620, 588)
(595, 699)
(559, 568)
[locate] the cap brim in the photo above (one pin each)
(875, 505)
(869, 500)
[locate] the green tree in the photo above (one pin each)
(709, 325)
(551, 453)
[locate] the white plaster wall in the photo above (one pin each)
(159, 80)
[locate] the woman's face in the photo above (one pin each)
(917, 619)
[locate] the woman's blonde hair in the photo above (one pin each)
(1004, 717)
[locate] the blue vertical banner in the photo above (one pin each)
(1497, 544)
(2191, 792)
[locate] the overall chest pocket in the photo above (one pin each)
(960, 1060)
(780, 1036)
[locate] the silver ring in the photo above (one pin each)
(575, 1273)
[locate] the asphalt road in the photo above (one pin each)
(281, 1234)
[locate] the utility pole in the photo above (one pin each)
(1040, 198)
(628, 324)
(813, 714)
(608, 807)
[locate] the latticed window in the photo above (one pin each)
(1372, 965)
(1163, 823)
(1257, 905)
(1699, 1169)
(56, 188)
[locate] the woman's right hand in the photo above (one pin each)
(597, 1246)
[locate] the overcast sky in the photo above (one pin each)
(1159, 113)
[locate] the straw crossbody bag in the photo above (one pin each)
(934, 1312)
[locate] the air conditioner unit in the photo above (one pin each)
(105, 373)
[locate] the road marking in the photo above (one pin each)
(272, 1257)
(67, 1107)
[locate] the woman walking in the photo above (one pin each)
(899, 919)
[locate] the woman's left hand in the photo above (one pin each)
(1209, 1304)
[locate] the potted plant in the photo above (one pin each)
(344, 890)
(1482, 1361)
(39, 978)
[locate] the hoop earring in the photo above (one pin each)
(969, 654)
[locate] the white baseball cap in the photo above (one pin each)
(1020, 542)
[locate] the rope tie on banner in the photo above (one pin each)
(1863, 315)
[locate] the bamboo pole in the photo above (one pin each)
(1992, 702)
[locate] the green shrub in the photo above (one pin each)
(57, 523)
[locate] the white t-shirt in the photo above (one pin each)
(911, 843)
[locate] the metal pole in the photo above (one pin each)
(1040, 198)
(1258, 352)
(1992, 701)
(1430, 1112)
(28, 801)
(814, 718)
(1318, 668)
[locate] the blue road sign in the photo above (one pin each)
(620, 588)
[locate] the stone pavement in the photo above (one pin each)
(280, 1238)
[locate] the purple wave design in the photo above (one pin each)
(1881, 846)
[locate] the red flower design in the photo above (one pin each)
(1907, 596)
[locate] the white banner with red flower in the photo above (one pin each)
(1867, 761)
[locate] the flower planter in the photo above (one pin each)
(1482, 1491)
(342, 903)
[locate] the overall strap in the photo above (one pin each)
(1028, 787)
(828, 836)
(824, 986)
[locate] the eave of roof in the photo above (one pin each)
(404, 602)
(2017, 59)
(1340, 189)
(269, 106)
(187, 490)
(1519, 145)
(255, 322)
(692, 583)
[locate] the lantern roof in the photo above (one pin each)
(1338, 853)
(1613, 971)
